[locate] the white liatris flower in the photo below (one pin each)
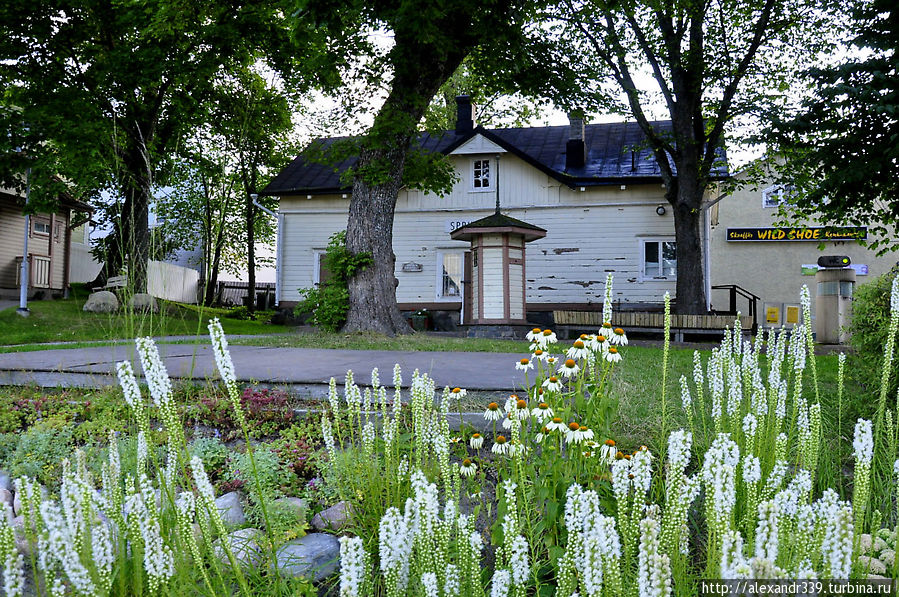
(863, 444)
(894, 295)
(752, 469)
(679, 444)
(621, 482)
(395, 548)
(750, 424)
(157, 378)
(220, 348)
(13, 574)
(518, 561)
(733, 562)
(641, 469)
(719, 478)
(130, 389)
(654, 568)
(685, 397)
(767, 532)
(60, 547)
(500, 583)
(142, 451)
(353, 566)
(451, 584)
(429, 582)
(836, 548)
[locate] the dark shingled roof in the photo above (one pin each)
(617, 153)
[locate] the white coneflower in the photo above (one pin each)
(653, 568)
(569, 368)
(521, 408)
(539, 355)
(476, 441)
(612, 355)
(457, 393)
(493, 413)
(500, 584)
(551, 362)
(573, 434)
(468, 468)
(353, 566)
(556, 424)
(500, 445)
(553, 384)
(618, 337)
(608, 451)
(524, 364)
(578, 351)
(542, 412)
(548, 337)
(599, 344)
(533, 335)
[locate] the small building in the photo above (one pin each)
(57, 245)
(595, 188)
(749, 249)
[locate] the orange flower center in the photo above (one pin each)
(557, 420)
(547, 332)
(524, 361)
(578, 344)
(600, 338)
(543, 406)
(574, 426)
(500, 439)
(619, 455)
(583, 336)
(544, 430)
(456, 390)
(569, 363)
(607, 325)
(493, 406)
(536, 330)
(583, 428)
(553, 379)
(539, 391)
(613, 350)
(619, 331)
(521, 404)
(466, 462)
(476, 436)
(610, 442)
(538, 352)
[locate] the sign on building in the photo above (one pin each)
(802, 233)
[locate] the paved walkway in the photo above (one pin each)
(300, 368)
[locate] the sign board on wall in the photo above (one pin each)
(772, 314)
(455, 224)
(809, 233)
(791, 315)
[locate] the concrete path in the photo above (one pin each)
(6, 304)
(305, 370)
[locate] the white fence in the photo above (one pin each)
(173, 282)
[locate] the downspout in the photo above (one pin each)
(23, 275)
(278, 244)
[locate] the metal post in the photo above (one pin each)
(23, 275)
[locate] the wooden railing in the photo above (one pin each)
(38, 271)
(642, 321)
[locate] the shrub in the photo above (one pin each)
(330, 301)
(39, 454)
(211, 450)
(869, 325)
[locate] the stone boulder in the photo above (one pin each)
(231, 509)
(143, 303)
(333, 518)
(101, 302)
(314, 557)
(291, 506)
(5, 481)
(245, 545)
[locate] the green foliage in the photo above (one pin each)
(39, 454)
(211, 450)
(841, 144)
(330, 301)
(869, 325)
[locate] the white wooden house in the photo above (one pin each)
(594, 188)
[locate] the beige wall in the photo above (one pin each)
(12, 231)
(772, 270)
(589, 234)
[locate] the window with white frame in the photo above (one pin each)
(449, 274)
(481, 174)
(659, 259)
(40, 227)
(776, 196)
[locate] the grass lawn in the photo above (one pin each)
(368, 341)
(64, 321)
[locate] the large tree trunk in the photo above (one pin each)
(136, 233)
(686, 199)
(372, 291)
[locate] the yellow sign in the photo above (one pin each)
(772, 315)
(793, 314)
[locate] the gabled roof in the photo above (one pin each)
(617, 153)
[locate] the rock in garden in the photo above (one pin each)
(334, 518)
(18, 527)
(101, 302)
(143, 303)
(231, 509)
(315, 556)
(291, 505)
(6, 497)
(5, 481)
(245, 545)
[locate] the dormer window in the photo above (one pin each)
(481, 175)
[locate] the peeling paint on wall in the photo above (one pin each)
(565, 250)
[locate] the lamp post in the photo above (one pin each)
(23, 275)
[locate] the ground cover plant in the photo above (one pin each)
(740, 476)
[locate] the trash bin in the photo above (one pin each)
(833, 299)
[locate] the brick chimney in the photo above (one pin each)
(465, 114)
(575, 148)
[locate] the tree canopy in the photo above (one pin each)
(840, 148)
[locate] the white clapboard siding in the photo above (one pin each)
(494, 307)
(589, 234)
